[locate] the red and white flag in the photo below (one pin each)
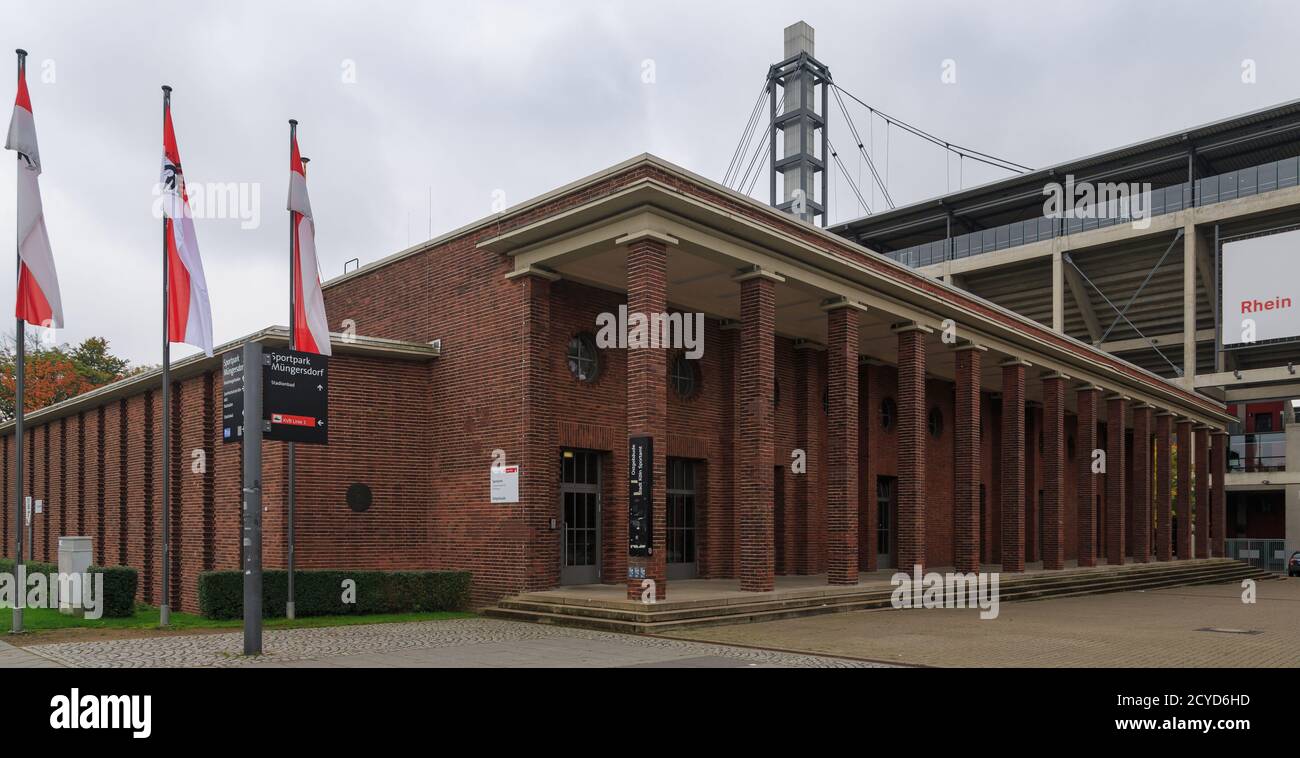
(311, 332)
(189, 314)
(38, 282)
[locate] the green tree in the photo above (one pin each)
(95, 363)
(54, 374)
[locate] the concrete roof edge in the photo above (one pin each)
(195, 364)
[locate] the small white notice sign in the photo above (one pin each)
(505, 484)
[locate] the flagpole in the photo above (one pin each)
(164, 608)
(21, 336)
(293, 345)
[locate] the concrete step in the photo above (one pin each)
(664, 617)
(1012, 587)
(1090, 582)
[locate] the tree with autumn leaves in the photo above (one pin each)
(54, 374)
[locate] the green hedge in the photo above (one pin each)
(120, 584)
(320, 593)
(119, 589)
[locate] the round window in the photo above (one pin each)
(584, 361)
(684, 375)
(936, 422)
(888, 412)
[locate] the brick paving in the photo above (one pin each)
(1156, 628)
(451, 643)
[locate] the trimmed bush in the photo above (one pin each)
(320, 592)
(120, 583)
(33, 567)
(119, 589)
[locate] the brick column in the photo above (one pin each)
(1141, 482)
(1183, 497)
(800, 550)
(1089, 396)
(1218, 469)
(1053, 547)
(647, 400)
(538, 452)
(1164, 540)
(966, 509)
(1013, 465)
(842, 442)
(1201, 442)
(1033, 425)
(911, 446)
(757, 374)
(1116, 456)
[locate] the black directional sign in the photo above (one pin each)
(640, 494)
(295, 399)
(232, 396)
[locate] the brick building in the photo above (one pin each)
(928, 417)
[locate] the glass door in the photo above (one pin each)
(680, 538)
(580, 507)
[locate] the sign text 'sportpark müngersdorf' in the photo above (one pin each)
(295, 396)
(295, 403)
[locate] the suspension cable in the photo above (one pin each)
(991, 160)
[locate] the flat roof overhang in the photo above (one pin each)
(190, 366)
(701, 218)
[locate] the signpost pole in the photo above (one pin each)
(252, 394)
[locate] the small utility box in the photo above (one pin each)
(74, 558)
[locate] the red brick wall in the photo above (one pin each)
(380, 444)
(756, 364)
(966, 433)
(1116, 549)
(95, 486)
(1012, 445)
(913, 498)
(1054, 468)
(842, 448)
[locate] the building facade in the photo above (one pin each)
(839, 412)
(1152, 292)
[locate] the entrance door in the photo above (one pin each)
(580, 507)
(886, 515)
(681, 519)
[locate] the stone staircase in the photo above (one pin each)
(618, 615)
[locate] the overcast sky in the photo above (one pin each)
(481, 100)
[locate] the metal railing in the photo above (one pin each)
(1231, 185)
(1269, 555)
(1250, 453)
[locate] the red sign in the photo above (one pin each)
(288, 420)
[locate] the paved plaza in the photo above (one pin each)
(1178, 627)
(1187, 626)
(468, 643)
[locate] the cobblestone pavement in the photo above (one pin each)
(1157, 628)
(457, 643)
